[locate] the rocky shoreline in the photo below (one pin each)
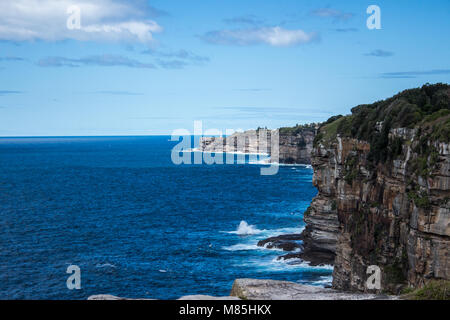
(298, 251)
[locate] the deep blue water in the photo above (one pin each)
(136, 224)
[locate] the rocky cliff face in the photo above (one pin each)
(385, 222)
(295, 144)
(383, 176)
(322, 225)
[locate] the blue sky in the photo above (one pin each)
(149, 67)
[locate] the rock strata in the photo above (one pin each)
(322, 226)
(383, 175)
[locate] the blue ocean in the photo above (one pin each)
(138, 225)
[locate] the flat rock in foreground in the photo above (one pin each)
(190, 297)
(255, 289)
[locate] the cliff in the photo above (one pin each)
(322, 226)
(295, 143)
(383, 175)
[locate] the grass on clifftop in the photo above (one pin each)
(433, 290)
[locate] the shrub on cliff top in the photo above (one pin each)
(433, 290)
(427, 107)
(299, 128)
(330, 128)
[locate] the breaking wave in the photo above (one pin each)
(245, 229)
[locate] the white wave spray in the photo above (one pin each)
(245, 229)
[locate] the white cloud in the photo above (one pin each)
(273, 36)
(101, 20)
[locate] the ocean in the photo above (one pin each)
(138, 225)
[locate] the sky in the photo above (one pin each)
(150, 67)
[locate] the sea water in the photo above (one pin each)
(138, 225)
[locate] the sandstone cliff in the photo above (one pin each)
(383, 175)
(322, 226)
(295, 144)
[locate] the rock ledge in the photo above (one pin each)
(255, 289)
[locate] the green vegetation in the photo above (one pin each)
(426, 108)
(433, 290)
(421, 200)
(318, 138)
(439, 129)
(330, 130)
(299, 128)
(437, 115)
(331, 127)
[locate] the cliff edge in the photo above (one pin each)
(383, 175)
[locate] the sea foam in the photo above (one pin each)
(245, 229)
(242, 247)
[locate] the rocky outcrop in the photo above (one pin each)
(285, 242)
(294, 145)
(297, 251)
(383, 176)
(255, 289)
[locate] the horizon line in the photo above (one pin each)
(84, 136)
